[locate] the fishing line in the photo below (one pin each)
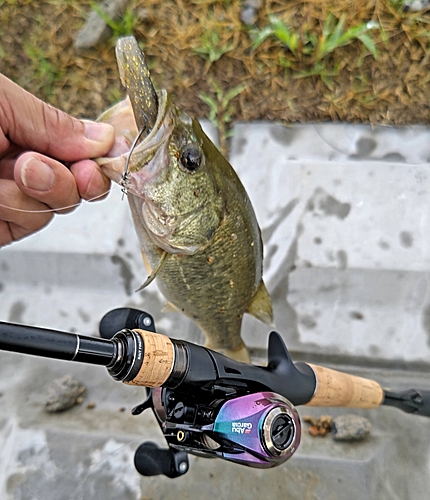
(48, 210)
(32, 493)
(346, 152)
(125, 178)
(124, 183)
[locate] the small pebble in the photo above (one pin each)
(415, 5)
(63, 393)
(91, 406)
(350, 428)
(96, 30)
(249, 12)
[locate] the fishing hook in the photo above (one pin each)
(125, 177)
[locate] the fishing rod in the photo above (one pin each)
(206, 403)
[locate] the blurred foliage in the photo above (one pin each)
(316, 60)
(309, 49)
(221, 109)
(123, 26)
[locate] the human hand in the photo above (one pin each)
(34, 139)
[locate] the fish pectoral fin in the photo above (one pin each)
(146, 262)
(170, 308)
(261, 305)
(154, 273)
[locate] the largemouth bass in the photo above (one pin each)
(197, 229)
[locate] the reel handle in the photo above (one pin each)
(151, 460)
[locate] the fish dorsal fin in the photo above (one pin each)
(154, 273)
(261, 305)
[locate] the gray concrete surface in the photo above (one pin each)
(344, 218)
(88, 453)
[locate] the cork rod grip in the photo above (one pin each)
(158, 360)
(340, 389)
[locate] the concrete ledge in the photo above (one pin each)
(346, 249)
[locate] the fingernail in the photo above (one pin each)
(96, 186)
(98, 132)
(37, 175)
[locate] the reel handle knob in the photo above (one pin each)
(150, 460)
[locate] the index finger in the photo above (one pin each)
(37, 126)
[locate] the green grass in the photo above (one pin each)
(312, 47)
(123, 26)
(45, 71)
(300, 56)
(221, 109)
(210, 47)
(278, 29)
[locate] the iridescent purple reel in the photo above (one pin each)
(263, 429)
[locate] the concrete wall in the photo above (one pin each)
(344, 215)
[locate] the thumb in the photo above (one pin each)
(34, 125)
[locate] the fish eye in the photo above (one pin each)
(191, 157)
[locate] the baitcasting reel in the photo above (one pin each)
(260, 429)
(206, 403)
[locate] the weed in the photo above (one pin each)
(365, 99)
(114, 95)
(334, 36)
(45, 71)
(318, 69)
(211, 49)
(221, 110)
(120, 27)
(310, 48)
(279, 30)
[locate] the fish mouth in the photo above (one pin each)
(145, 158)
(136, 79)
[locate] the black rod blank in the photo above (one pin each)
(56, 344)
